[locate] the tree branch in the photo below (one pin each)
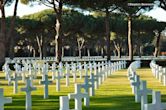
(46, 4)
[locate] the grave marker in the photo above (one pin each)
(74, 72)
(15, 83)
(28, 89)
(136, 85)
(3, 100)
(164, 76)
(144, 92)
(46, 82)
(92, 80)
(64, 103)
(53, 70)
(58, 78)
(67, 75)
(78, 96)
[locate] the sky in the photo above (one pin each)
(156, 13)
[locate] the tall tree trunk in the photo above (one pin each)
(130, 43)
(34, 53)
(117, 48)
(114, 51)
(58, 28)
(80, 53)
(2, 34)
(11, 46)
(141, 50)
(139, 44)
(44, 49)
(107, 24)
(63, 52)
(157, 45)
(74, 51)
(40, 46)
(88, 51)
(102, 52)
(84, 52)
(11, 36)
(119, 52)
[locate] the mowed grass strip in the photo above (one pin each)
(113, 94)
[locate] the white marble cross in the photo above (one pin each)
(136, 85)
(106, 67)
(86, 87)
(24, 71)
(164, 76)
(6, 70)
(64, 103)
(132, 76)
(109, 68)
(132, 79)
(28, 89)
(92, 80)
(96, 75)
(133, 66)
(144, 92)
(160, 73)
(80, 70)
(97, 83)
(99, 74)
(31, 74)
(17, 69)
(102, 72)
(78, 96)
(3, 100)
(112, 67)
(86, 84)
(74, 72)
(44, 70)
(53, 70)
(157, 71)
(67, 74)
(156, 102)
(90, 67)
(58, 78)
(15, 83)
(86, 69)
(46, 82)
(35, 70)
(61, 68)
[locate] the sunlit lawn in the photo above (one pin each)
(113, 94)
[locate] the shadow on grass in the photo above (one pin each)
(96, 103)
(113, 103)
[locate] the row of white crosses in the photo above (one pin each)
(159, 72)
(64, 59)
(45, 81)
(29, 71)
(141, 92)
(90, 84)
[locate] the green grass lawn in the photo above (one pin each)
(113, 94)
